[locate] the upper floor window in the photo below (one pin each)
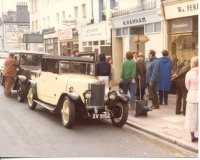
(63, 16)
(57, 18)
(113, 4)
(84, 10)
(76, 12)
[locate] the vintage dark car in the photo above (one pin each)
(67, 85)
(29, 68)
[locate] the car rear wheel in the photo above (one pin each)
(21, 92)
(30, 98)
(1, 80)
(68, 113)
(120, 114)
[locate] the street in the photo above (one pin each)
(28, 133)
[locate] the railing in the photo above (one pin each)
(142, 7)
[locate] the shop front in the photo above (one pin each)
(51, 41)
(182, 19)
(68, 40)
(127, 29)
(96, 38)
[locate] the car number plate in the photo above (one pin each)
(105, 115)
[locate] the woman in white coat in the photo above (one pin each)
(191, 83)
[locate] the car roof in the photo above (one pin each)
(26, 52)
(68, 58)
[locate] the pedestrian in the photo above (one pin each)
(165, 72)
(191, 83)
(135, 56)
(140, 76)
(111, 80)
(181, 91)
(10, 71)
(102, 71)
(152, 77)
(128, 73)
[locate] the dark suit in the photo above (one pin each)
(181, 91)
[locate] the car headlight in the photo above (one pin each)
(112, 95)
(87, 94)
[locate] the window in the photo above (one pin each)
(33, 27)
(157, 27)
(125, 31)
(36, 25)
(57, 18)
(149, 28)
(76, 12)
(48, 21)
(44, 23)
(63, 16)
(84, 10)
(118, 32)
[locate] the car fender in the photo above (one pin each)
(123, 97)
(33, 84)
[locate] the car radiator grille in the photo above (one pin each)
(98, 91)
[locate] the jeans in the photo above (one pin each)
(128, 85)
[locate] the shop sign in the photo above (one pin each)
(11, 33)
(51, 35)
(69, 22)
(66, 34)
(136, 19)
(180, 25)
(185, 9)
(96, 32)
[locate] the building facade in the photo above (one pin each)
(15, 24)
(182, 23)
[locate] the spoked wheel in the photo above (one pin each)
(31, 103)
(21, 92)
(67, 113)
(120, 114)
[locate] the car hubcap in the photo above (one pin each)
(118, 112)
(30, 97)
(65, 111)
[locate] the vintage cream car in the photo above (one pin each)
(67, 85)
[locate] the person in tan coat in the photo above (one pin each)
(10, 71)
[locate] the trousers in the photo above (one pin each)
(8, 83)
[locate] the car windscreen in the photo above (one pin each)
(30, 60)
(76, 67)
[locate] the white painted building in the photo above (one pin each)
(133, 21)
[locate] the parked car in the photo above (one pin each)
(3, 56)
(67, 85)
(29, 68)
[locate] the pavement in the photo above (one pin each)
(165, 124)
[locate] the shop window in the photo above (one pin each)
(95, 43)
(118, 32)
(157, 27)
(90, 43)
(149, 28)
(106, 50)
(137, 30)
(102, 42)
(125, 31)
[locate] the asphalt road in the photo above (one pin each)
(28, 133)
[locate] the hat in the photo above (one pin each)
(140, 55)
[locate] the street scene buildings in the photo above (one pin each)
(111, 27)
(60, 29)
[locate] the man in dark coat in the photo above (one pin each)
(140, 76)
(165, 71)
(181, 91)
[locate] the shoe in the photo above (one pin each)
(178, 112)
(154, 107)
(195, 139)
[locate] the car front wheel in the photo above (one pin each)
(31, 103)
(120, 114)
(21, 92)
(68, 113)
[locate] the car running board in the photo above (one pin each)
(47, 106)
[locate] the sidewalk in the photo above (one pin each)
(165, 124)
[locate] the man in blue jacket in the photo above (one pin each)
(165, 72)
(152, 77)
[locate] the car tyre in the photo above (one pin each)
(67, 113)
(1, 80)
(30, 98)
(21, 92)
(120, 114)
